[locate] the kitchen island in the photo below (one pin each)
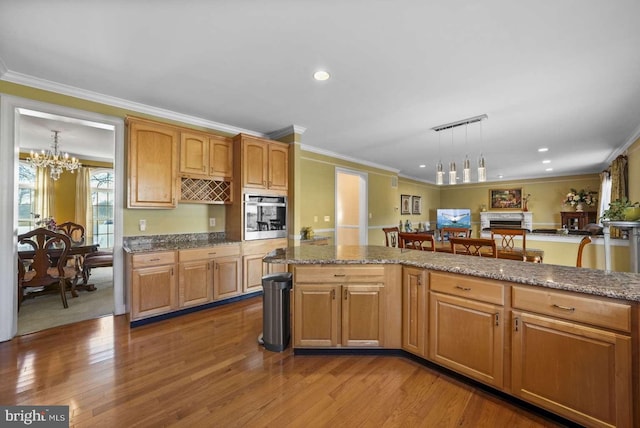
(562, 338)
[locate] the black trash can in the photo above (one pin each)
(276, 324)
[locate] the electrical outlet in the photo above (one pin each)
(142, 224)
(327, 218)
(212, 222)
(315, 218)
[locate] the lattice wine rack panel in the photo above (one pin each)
(199, 190)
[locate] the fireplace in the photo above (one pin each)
(515, 220)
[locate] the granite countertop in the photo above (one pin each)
(618, 285)
(143, 244)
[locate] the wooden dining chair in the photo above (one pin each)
(583, 243)
(391, 236)
(454, 232)
(474, 247)
(40, 270)
(417, 241)
(75, 232)
(507, 239)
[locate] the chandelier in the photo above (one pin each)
(466, 173)
(54, 160)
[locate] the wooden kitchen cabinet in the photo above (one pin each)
(414, 310)
(206, 156)
(467, 327)
(153, 284)
(253, 267)
(265, 164)
(209, 273)
(195, 283)
(226, 277)
(152, 164)
(585, 371)
(339, 307)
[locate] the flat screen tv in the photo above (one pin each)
(453, 217)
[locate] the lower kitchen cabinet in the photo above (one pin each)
(343, 307)
(195, 283)
(226, 277)
(466, 326)
(252, 265)
(153, 284)
(580, 371)
(414, 310)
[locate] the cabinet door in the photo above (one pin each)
(153, 291)
(195, 283)
(152, 167)
(579, 372)
(253, 271)
(316, 315)
(221, 158)
(414, 310)
(226, 277)
(362, 315)
(278, 166)
(467, 336)
(255, 164)
(194, 154)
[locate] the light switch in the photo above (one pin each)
(212, 222)
(143, 225)
(315, 218)
(327, 218)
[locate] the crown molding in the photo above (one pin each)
(287, 130)
(347, 158)
(60, 88)
(3, 68)
(633, 137)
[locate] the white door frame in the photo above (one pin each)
(9, 157)
(363, 203)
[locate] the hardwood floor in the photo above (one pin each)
(206, 369)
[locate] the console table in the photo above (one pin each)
(633, 228)
(577, 220)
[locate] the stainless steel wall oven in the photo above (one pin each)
(265, 216)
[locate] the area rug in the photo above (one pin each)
(46, 311)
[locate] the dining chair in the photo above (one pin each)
(454, 232)
(97, 259)
(507, 239)
(583, 243)
(417, 241)
(40, 269)
(474, 247)
(75, 232)
(391, 236)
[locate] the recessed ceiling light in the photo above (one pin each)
(543, 149)
(500, 176)
(423, 166)
(546, 161)
(321, 75)
(549, 169)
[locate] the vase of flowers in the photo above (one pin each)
(580, 198)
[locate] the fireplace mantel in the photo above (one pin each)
(525, 218)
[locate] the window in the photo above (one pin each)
(102, 183)
(26, 197)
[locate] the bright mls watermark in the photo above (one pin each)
(34, 416)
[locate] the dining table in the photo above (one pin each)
(80, 249)
(444, 246)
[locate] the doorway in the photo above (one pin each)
(13, 111)
(351, 207)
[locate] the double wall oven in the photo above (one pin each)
(265, 216)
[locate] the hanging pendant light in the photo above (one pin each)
(452, 164)
(439, 169)
(482, 170)
(466, 171)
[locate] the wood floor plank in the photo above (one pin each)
(206, 369)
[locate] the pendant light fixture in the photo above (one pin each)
(56, 161)
(466, 172)
(439, 169)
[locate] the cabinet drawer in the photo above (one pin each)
(339, 274)
(209, 252)
(483, 290)
(590, 310)
(153, 259)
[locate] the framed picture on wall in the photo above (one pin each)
(405, 204)
(505, 199)
(416, 205)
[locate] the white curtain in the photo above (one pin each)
(84, 205)
(44, 194)
(605, 193)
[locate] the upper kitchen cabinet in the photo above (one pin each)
(152, 164)
(206, 156)
(264, 164)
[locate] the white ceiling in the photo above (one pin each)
(563, 74)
